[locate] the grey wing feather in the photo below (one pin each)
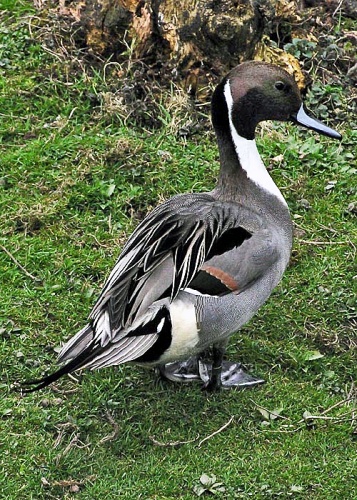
(129, 349)
(169, 246)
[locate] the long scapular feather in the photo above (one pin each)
(76, 344)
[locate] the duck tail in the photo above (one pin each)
(77, 344)
(79, 351)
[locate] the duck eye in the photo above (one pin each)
(280, 85)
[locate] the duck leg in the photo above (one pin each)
(216, 374)
(225, 374)
(214, 382)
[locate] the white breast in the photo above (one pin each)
(184, 331)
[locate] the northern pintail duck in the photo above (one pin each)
(199, 266)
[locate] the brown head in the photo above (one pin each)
(256, 91)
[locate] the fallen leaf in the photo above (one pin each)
(312, 355)
(270, 414)
(296, 488)
(207, 480)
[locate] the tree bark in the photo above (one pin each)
(188, 33)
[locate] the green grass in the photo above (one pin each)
(75, 179)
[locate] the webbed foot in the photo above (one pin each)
(181, 371)
(192, 370)
(231, 375)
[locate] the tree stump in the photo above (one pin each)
(188, 33)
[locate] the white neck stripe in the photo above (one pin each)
(248, 155)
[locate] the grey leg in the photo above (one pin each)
(215, 375)
(224, 374)
(215, 381)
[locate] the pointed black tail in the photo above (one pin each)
(90, 352)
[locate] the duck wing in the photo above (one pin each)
(238, 265)
(164, 254)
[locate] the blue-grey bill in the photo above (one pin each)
(302, 118)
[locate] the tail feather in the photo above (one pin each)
(78, 351)
(90, 352)
(76, 344)
(85, 349)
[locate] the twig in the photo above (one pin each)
(216, 432)
(319, 243)
(59, 438)
(276, 415)
(55, 389)
(180, 443)
(97, 242)
(352, 393)
(340, 403)
(19, 265)
(67, 482)
(115, 433)
(171, 443)
(72, 378)
(72, 482)
(337, 8)
(74, 442)
(62, 428)
(52, 52)
(333, 231)
(308, 419)
(324, 417)
(283, 431)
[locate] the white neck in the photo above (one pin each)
(248, 155)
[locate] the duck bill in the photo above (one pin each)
(302, 118)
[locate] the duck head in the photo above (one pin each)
(256, 91)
